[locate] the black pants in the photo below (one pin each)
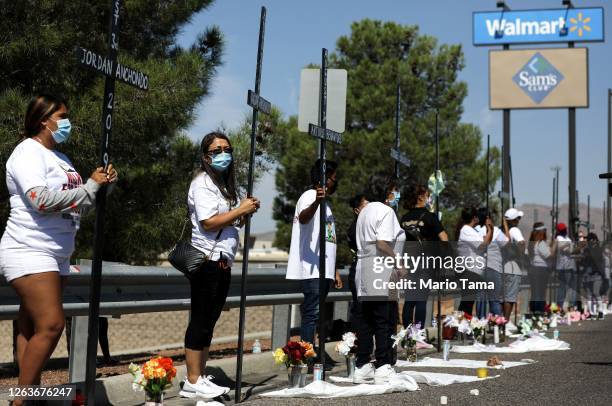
(355, 316)
(538, 277)
(379, 319)
(416, 302)
(209, 287)
(468, 297)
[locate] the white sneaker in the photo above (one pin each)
(383, 374)
(208, 380)
(200, 389)
(365, 374)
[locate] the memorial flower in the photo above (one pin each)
(294, 353)
(347, 345)
(154, 377)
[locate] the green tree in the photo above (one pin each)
(377, 57)
(149, 146)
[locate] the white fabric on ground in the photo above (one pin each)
(322, 389)
(427, 378)
(535, 343)
(455, 363)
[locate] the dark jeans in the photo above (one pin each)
(209, 287)
(310, 307)
(468, 297)
(379, 319)
(493, 297)
(355, 315)
(567, 286)
(538, 277)
(415, 307)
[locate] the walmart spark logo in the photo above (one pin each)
(538, 78)
(580, 24)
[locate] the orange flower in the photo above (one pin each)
(171, 373)
(306, 346)
(310, 354)
(165, 363)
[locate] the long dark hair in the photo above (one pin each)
(467, 215)
(225, 181)
(40, 108)
(413, 193)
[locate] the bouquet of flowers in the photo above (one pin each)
(478, 327)
(347, 345)
(495, 320)
(154, 377)
(526, 327)
(409, 336)
(294, 353)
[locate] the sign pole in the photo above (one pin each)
(257, 103)
(322, 207)
(608, 213)
(439, 315)
(506, 157)
(96, 268)
(488, 170)
(397, 129)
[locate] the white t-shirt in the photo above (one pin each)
(376, 222)
(205, 200)
(31, 165)
(303, 260)
(564, 248)
(493, 253)
(541, 254)
(512, 267)
(469, 245)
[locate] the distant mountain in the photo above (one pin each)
(540, 212)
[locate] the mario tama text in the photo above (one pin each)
(411, 263)
(431, 284)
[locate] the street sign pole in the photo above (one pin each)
(573, 229)
(608, 212)
(397, 129)
(258, 103)
(439, 315)
(322, 208)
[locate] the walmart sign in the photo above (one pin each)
(538, 26)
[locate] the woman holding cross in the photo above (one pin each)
(47, 196)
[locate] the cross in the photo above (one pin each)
(258, 104)
(112, 70)
(324, 134)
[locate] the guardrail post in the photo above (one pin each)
(78, 349)
(281, 321)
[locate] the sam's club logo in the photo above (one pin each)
(538, 78)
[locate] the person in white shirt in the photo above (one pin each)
(494, 264)
(514, 254)
(540, 256)
(566, 268)
(47, 196)
(215, 215)
(379, 236)
(303, 262)
(471, 244)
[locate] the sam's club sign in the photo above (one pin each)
(538, 26)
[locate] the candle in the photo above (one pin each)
(443, 400)
(496, 334)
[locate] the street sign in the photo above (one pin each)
(400, 157)
(538, 26)
(324, 134)
(258, 103)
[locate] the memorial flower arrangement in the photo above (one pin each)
(495, 320)
(478, 327)
(294, 353)
(347, 345)
(154, 377)
(409, 336)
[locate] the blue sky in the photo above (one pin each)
(297, 30)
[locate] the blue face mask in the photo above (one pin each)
(395, 201)
(63, 130)
(221, 162)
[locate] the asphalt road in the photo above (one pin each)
(581, 376)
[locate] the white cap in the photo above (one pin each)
(512, 214)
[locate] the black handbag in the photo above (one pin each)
(186, 258)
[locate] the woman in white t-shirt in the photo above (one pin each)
(540, 256)
(47, 196)
(215, 216)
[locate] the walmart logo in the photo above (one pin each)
(580, 24)
(538, 78)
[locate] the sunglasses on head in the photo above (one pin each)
(219, 150)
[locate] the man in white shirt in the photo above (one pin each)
(515, 255)
(494, 267)
(566, 268)
(303, 263)
(379, 237)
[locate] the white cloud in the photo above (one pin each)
(225, 106)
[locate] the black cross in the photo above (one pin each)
(112, 70)
(258, 104)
